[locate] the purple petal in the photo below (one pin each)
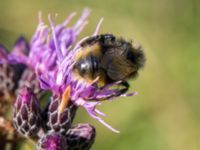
(21, 47)
(92, 113)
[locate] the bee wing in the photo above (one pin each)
(116, 65)
(119, 70)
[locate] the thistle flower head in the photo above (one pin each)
(15, 62)
(9, 76)
(52, 54)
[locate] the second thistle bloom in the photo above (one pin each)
(10, 75)
(52, 56)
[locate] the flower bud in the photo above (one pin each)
(27, 119)
(60, 121)
(81, 137)
(52, 141)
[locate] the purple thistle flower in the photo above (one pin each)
(52, 56)
(9, 77)
(43, 54)
(20, 73)
(11, 72)
(27, 113)
(23, 75)
(61, 76)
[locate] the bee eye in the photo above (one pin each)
(83, 68)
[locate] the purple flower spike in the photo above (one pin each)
(81, 137)
(27, 119)
(54, 55)
(53, 141)
(14, 67)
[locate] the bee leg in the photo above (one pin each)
(124, 89)
(118, 91)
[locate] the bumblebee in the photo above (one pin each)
(110, 58)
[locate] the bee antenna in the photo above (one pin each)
(98, 27)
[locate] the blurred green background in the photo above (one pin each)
(166, 113)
